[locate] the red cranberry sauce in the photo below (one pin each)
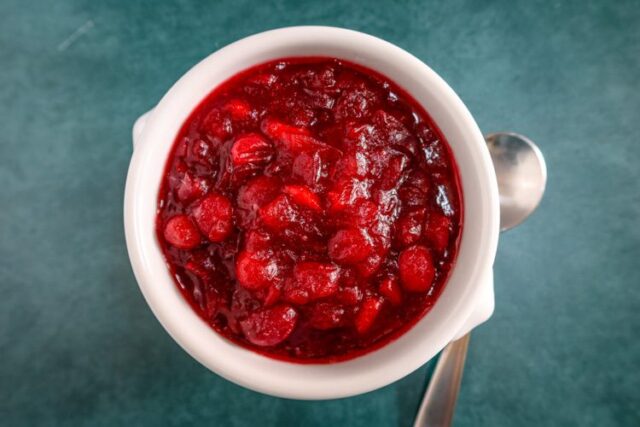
(310, 210)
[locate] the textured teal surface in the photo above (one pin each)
(78, 345)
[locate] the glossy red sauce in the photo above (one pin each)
(310, 210)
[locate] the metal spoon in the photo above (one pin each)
(522, 176)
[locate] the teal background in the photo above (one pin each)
(78, 344)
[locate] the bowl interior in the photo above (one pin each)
(319, 381)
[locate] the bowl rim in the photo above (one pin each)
(257, 372)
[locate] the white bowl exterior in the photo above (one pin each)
(469, 286)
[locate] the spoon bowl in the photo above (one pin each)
(522, 176)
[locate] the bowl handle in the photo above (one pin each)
(484, 306)
(138, 126)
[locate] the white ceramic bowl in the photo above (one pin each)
(467, 299)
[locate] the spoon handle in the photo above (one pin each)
(439, 402)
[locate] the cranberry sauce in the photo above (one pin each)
(310, 210)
